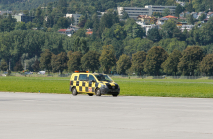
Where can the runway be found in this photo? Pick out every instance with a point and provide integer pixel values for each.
(63, 116)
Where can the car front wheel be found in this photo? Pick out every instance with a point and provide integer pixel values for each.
(98, 92)
(74, 92)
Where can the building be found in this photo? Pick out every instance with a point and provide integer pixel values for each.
(181, 23)
(161, 21)
(170, 17)
(23, 18)
(194, 15)
(5, 12)
(147, 19)
(200, 13)
(67, 32)
(181, 3)
(134, 12)
(100, 14)
(75, 16)
(184, 14)
(89, 32)
(146, 27)
(75, 28)
(209, 14)
(187, 27)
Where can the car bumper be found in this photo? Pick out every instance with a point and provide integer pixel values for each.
(110, 91)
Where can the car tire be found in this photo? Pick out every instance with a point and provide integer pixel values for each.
(90, 94)
(74, 92)
(115, 95)
(98, 92)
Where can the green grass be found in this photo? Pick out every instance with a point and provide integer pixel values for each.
(129, 87)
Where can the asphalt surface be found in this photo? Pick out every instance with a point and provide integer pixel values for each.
(63, 116)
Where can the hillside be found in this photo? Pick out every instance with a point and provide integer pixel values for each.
(22, 4)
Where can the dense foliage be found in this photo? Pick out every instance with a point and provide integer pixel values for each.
(116, 45)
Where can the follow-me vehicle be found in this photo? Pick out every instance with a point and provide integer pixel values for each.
(93, 83)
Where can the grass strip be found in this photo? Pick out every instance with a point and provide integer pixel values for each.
(129, 87)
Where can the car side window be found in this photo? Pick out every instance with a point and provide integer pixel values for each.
(83, 77)
(75, 78)
(91, 78)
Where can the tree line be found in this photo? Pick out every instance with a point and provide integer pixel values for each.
(192, 61)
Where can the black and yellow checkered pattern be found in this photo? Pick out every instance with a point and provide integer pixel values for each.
(85, 86)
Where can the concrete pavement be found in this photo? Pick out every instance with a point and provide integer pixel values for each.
(63, 116)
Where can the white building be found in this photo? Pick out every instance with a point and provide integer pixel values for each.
(161, 21)
(184, 14)
(134, 12)
(194, 14)
(181, 3)
(146, 27)
(75, 16)
(187, 27)
(200, 13)
(209, 14)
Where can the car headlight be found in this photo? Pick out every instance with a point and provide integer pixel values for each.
(104, 86)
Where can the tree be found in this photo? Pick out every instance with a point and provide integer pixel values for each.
(63, 22)
(206, 65)
(192, 56)
(38, 17)
(124, 15)
(138, 62)
(133, 30)
(35, 66)
(4, 65)
(202, 17)
(74, 62)
(107, 58)
(154, 35)
(46, 60)
(7, 24)
(170, 30)
(155, 57)
(59, 62)
(20, 26)
(82, 21)
(190, 19)
(123, 64)
(18, 66)
(171, 63)
(80, 44)
(90, 61)
(178, 10)
(166, 12)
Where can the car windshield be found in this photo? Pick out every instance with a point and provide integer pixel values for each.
(102, 77)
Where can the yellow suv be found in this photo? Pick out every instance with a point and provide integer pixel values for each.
(93, 83)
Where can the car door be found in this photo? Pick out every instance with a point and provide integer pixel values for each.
(83, 82)
(92, 82)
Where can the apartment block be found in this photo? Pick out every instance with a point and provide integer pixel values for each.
(23, 18)
(134, 12)
(75, 16)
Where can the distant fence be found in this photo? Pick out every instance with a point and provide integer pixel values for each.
(113, 76)
(163, 77)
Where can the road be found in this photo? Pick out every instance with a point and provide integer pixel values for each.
(63, 116)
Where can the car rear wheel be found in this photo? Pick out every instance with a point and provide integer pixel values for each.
(98, 92)
(90, 94)
(74, 92)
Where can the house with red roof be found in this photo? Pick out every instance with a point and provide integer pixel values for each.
(67, 32)
(170, 17)
(89, 32)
